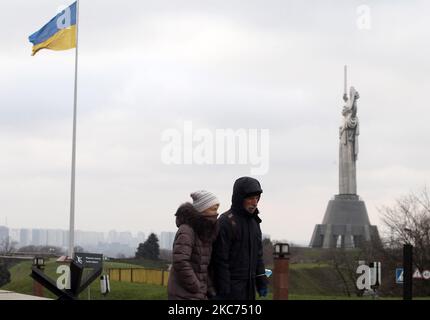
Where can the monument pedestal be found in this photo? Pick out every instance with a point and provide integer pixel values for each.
(346, 224)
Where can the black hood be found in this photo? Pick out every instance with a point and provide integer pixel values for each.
(243, 188)
(203, 227)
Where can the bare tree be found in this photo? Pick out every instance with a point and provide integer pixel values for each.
(344, 263)
(7, 246)
(408, 221)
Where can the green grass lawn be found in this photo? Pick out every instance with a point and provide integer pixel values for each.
(21, 282)
(120, 265)
(300, 266)
(148, 264)
(303, 286)
(126, 291)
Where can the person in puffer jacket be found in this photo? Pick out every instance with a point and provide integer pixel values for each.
(237, 258)
(192, 248)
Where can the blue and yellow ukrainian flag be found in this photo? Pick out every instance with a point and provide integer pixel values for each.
(57, 34)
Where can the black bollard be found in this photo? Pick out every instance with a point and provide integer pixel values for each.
(407, 271)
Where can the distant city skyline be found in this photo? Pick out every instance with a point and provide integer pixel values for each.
(135, 231)
(110, 242)
(59, 237)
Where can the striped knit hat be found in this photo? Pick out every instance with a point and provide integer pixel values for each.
(203, 200)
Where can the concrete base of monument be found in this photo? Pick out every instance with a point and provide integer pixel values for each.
(346, 224)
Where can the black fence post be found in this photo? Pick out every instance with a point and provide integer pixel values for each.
(407, 271)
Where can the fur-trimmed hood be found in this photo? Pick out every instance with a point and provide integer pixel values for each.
(203, 227)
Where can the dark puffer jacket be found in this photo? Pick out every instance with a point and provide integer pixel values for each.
(237, 259)
(192, 248)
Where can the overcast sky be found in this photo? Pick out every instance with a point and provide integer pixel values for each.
(149, 66)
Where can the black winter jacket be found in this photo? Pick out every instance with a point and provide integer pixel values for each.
(237, 257)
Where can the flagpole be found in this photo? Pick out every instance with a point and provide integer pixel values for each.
(72, 188)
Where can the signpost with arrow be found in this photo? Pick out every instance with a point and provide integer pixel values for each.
(71, 282)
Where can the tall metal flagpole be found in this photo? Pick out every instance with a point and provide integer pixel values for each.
(72, 189)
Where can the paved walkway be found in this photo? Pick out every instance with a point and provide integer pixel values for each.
(9, 295)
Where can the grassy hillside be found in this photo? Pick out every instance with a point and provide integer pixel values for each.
(314, 279)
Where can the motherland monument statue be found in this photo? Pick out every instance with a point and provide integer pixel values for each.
(346, 223)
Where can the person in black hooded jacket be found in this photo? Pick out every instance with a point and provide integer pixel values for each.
(237, 257)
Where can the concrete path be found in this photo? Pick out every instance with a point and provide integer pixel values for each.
(9, 295)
